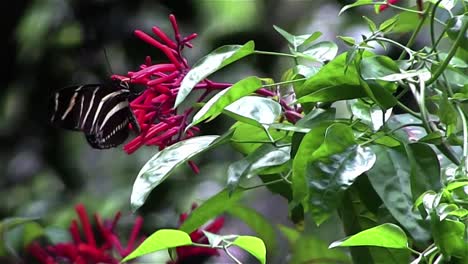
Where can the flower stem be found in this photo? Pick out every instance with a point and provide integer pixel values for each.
(274, 53)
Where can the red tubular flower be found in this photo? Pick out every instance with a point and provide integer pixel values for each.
(190, 252)
(88, 250)
(383, 7)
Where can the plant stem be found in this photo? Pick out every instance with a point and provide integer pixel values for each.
(274, 53)
(408, 110)
(404, 48)
(285, 82)
(415, 33)
(450, 54)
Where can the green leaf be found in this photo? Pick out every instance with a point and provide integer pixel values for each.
(388, 24)
(209, 64)
(370, 24)
(210, 209)
(355, 4)
(301, 245)
(333, 167)
(309, 143)
(449, 236)
(348, 40)
(390, 178)
(253, 245)
(245, 135)
(254, 110)
(425, 168)
(332, 83)
(23, 238)
(217, 103)
(378, 66)
(386, 235)
(371, 69)
(263, 157)
(297, 41)
(322, 51)
(357, 215)
(257, 223)
(161, 165)
(161, 239)
(447, 114)
(454, 26)
(370, 115)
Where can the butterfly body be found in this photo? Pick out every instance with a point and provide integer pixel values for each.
(100, 111)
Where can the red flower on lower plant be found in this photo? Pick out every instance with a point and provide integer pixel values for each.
(87, 249)
(187, 253)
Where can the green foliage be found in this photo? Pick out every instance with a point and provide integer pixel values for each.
(334, 137)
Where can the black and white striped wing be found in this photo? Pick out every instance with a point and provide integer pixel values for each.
(102, 112)
(110, 128)
(70, 104)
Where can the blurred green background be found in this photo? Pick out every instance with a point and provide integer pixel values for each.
(52, 44)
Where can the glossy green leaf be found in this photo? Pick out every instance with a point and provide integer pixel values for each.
(405, 21)
(425, 168)
(297, 41)
(370, 24)
(161, 165)
(263, 157)
(209, 64)
(301, 245)
(390, 178)
(309, 143)
(322, 51)
(254, 110)
(10, 223)
(449, 236)
(333, 167)
(386, 235)
(370, 115)
(389, 24)
(245, 136)
(454, 26)
(258, 223)
(253, 245)
(375, 67)
(456, 185)
(348, 40)
(211, 208)
(371, 70)
(447, 114)
(332, 83)
(217, 103)
(161, 239)
(355, 4)
(357, 215)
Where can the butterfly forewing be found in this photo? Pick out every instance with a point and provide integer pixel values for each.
(102, 112)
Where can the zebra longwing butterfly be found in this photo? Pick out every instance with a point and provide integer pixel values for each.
(101, 111)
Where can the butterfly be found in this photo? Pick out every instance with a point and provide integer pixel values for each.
(101, 111)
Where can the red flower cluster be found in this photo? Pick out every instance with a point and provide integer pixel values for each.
(160, 124)
(88, 250)
(187, 252)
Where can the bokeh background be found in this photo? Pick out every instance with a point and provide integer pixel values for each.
(50, 44)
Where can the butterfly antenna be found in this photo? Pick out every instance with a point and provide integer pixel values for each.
(107, 62)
